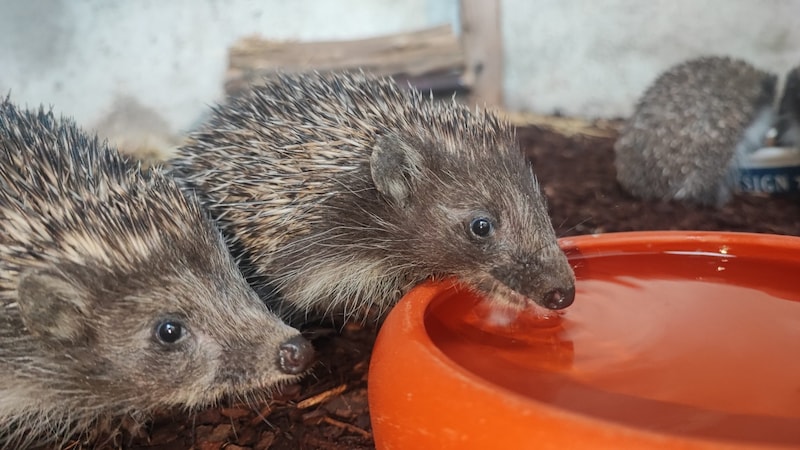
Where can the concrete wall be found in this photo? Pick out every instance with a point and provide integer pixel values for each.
(86, 56)
(595, 58)
(167, 58)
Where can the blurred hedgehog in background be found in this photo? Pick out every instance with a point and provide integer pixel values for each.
(138, 132)
(691, 127)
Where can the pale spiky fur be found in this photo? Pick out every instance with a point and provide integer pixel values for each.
(134, 250)
(287, 171)
(690, 128)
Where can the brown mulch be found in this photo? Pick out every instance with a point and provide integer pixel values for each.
(328, 410)
(577, 174)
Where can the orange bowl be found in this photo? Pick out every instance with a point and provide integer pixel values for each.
(684, 340)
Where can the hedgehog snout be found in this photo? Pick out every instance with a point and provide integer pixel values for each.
(295, 355)
(554, 285)
(558, 298)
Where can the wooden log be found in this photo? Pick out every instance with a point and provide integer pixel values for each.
(434, 54)
(482, 41)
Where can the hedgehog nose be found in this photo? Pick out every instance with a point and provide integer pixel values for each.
(295, 355)
(559, 298)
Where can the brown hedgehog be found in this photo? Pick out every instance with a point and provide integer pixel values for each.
(339, 192)
(690, 127)
(119, 296)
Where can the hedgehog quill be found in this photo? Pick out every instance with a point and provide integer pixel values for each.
(119, 295)
(339, 192)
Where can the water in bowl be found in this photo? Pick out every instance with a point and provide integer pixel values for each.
(702, 345)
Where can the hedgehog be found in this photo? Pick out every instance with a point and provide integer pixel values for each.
(788, 123)
(691, 128)
(136, 131)
(119, 295)
(338, 192)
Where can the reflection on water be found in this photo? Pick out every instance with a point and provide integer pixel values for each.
(695, 345)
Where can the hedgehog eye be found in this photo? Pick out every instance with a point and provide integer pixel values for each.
(481, 227)
(170, 331)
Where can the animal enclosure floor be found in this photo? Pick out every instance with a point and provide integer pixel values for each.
(328, 410)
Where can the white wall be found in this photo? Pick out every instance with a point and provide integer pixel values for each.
(594, 58)
(80, 56)
(576, 56)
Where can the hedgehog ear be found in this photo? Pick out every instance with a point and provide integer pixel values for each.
(395, 167)
(52, 307)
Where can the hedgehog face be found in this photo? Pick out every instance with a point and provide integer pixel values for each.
(181, 331)
(488, 220)
(209, 338)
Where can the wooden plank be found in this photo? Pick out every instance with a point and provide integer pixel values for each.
(433, 51)
(482, 41)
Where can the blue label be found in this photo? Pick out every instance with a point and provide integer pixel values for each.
(771, 180)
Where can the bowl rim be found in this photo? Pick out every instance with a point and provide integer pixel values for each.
(419, 299)
(744, 241)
